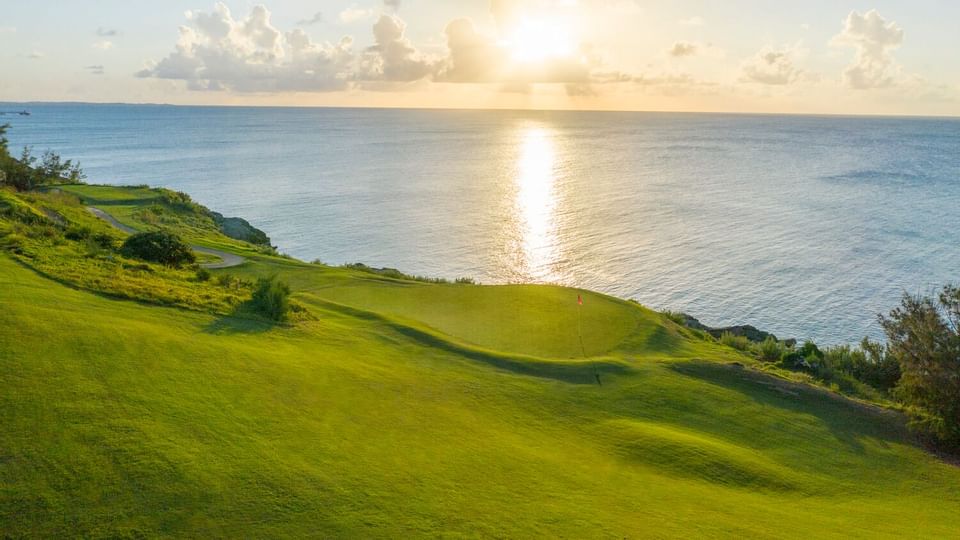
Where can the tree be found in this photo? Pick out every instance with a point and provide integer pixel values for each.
(52, 167)
(923, 335)
(3, 139)
(27, 172)
(158, 246)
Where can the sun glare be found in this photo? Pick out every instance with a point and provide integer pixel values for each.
(539, 40)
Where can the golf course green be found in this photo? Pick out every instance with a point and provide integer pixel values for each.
(144, 401)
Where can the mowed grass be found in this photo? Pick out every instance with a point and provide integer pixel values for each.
(535, 320)
(124, 419)
(540, 321)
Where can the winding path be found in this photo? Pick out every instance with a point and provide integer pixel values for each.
(227, 260)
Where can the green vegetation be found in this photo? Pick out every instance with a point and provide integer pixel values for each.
(390, 407)
(924, 338)
(770, 350)
(158, 246)
(52, 233)
(145, 209)
(28, 172)
(918, 370)
(271, 298)
(740, 343)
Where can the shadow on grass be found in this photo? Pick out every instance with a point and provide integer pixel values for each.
(846, 419)
(659, 340)
(241, 321)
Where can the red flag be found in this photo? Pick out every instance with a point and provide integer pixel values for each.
(579, 300)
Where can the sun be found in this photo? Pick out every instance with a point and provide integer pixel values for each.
(538, 40)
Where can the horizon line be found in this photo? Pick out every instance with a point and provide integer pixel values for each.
(497, 109)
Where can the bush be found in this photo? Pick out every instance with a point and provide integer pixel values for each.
(741, 343)
(676, 316)
(271, 298)
(77, 232)
(810, 351)
(104, 240)
(158, 246)
(203, 275)
(770, 350)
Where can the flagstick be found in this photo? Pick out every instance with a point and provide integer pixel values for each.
(583, 350)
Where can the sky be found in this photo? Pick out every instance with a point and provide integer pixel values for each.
(815, 56)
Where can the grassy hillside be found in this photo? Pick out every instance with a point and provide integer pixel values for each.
(399, 408)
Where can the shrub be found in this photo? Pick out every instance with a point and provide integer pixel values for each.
(741, 343)
(103, 240)
(179, 200)
(158, 246)
(770, 350)
(271, 298)
(810, 351)
(923, 335)
(77, 232)
(203, 275)
(676, 317)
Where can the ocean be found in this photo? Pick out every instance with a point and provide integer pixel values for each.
(804, 226)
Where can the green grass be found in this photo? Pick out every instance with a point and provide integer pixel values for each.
(404, 409)
(143, 208)
(36, 228)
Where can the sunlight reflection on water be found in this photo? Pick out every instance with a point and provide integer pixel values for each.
(536, 204)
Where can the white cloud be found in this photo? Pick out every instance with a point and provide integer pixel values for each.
(95, 70)
(217, 52)
(393, 57)
(103, 45)
(34, 55)
(353, 14)
(874, 39)
(7, 30)
(392, 4)
(316, 19)
(693, 21)
(473, 57)
(107, 32)
(681, 49)
(774, 67)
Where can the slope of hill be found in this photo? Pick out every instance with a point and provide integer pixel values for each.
(399, 408)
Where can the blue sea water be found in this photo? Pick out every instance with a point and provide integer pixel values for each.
(804, 226)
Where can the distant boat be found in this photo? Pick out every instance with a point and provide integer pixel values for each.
(21, 113)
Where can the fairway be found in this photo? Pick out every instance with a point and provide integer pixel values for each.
(126, 419)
